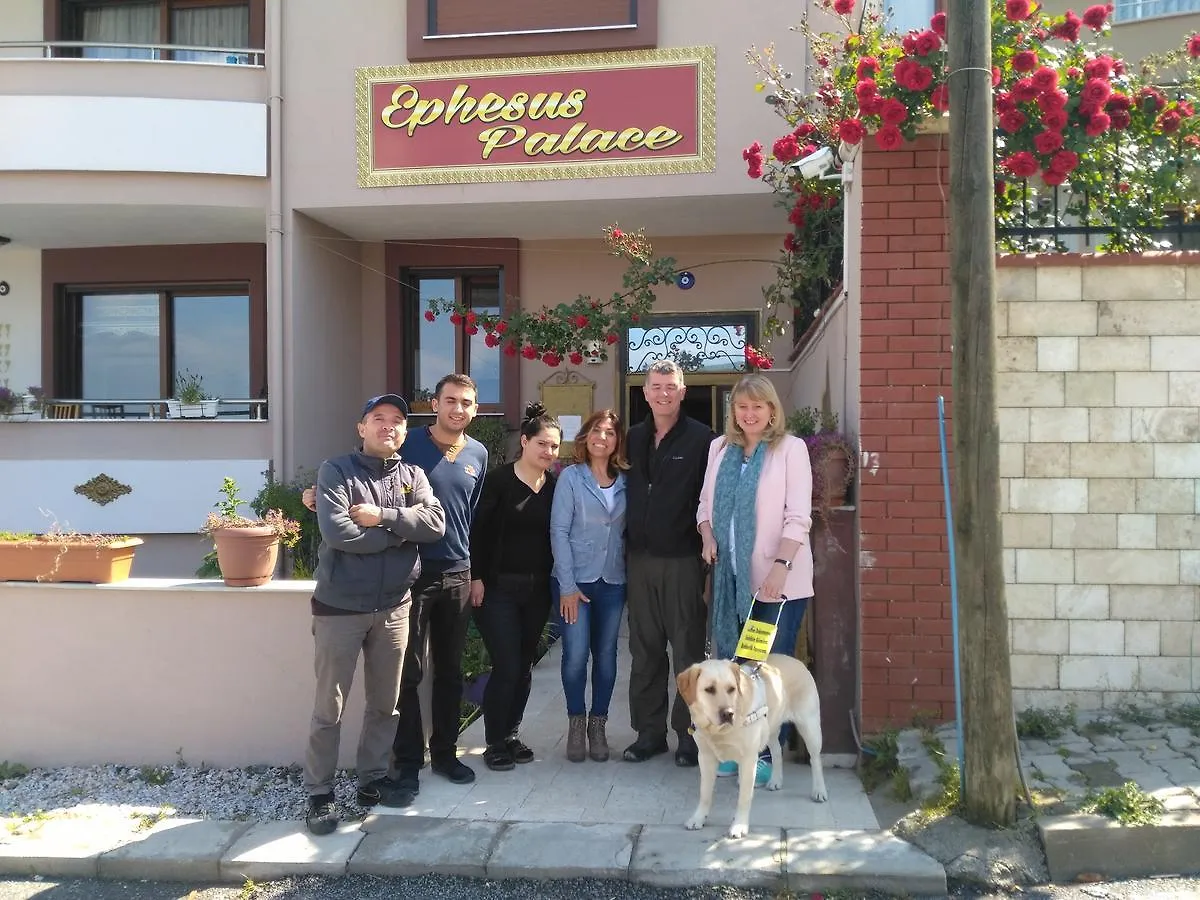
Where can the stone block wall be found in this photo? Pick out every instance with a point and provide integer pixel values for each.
(1099, 411)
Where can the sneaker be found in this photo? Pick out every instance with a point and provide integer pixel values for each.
(498, 759)
(762, 772)
(644, 748)
(385, 792)
(727, 768)
(322, 814)
(518, 751)
(455, 770)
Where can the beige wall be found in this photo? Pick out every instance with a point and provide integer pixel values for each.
(218, 675)
(132, 78)
(1098, 390)
(22, 20)
(1137, 39)
(323, 344)
(134, 439)
(20, 320)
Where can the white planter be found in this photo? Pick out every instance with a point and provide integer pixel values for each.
(205, 409)
(173, 409)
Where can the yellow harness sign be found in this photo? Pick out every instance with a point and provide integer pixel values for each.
(755, 642)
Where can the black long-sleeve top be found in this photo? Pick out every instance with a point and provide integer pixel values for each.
(511, 531)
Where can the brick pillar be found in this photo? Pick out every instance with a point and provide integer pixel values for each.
(904, 564)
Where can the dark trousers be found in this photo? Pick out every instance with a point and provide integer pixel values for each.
(666, 607)
(510, 621)
(440, 609)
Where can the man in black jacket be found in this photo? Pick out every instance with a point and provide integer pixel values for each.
(373, 509)
(667, 454)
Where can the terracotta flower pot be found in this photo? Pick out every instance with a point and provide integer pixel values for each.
(834, 469)
(247, 556)
(55, 562)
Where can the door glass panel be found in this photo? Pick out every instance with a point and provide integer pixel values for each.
(120, 23)
(484, 361)
(212, 340)
(435, 340)
(120, 337)
(223, 27)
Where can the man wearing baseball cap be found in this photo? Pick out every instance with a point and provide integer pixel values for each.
(373, 510)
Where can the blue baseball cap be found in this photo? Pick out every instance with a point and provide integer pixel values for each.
(394, 399)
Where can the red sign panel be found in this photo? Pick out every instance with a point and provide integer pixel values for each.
(499, 120)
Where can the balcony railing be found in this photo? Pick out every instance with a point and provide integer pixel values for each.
(219, 56)
(75, 409)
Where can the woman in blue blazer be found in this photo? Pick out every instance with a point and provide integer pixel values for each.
(587, 535)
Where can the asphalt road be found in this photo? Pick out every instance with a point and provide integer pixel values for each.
(437, 888)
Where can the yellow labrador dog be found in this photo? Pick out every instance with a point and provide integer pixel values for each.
(736, 712)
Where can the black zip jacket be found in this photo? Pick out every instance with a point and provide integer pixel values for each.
(663, 487)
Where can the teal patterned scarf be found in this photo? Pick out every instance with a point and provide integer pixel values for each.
(734, 501)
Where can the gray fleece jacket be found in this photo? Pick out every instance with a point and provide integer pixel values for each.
(369, 569)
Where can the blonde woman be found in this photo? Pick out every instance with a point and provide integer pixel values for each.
(755, 515)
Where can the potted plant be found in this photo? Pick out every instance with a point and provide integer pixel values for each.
(34, 400)
(830, 452)
(191, 400)
(64, 556)
(247, 549)
(9, 403)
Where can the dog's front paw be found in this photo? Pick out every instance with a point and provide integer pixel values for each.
(738, 830)
(695, 823)
(819, 795)
(775, 783)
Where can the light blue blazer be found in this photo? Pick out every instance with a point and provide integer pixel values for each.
(588, 541)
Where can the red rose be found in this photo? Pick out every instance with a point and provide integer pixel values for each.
(940, 98)
(510, 349)
(1012, 120)
(866, 89)
(1097, 90)
(576, 358)
(501, 327)
(1052, 100)
(894, 112)
(889, 137)
(843, 7)
(1068, 29)
(850, 131)
(1048, 142)
(529, 351)
(1005, 101)
(1094, 17)
(922, 78)
(551, 358)
(1185, 108)
(1100, 67)
(429, 316)
(1054, 120)
(1052, 178)
(1024, 61)
(492, 339)
(1074, 72)
(1022, 165)
(471, 318)
(755, 171)
(803, 130)
(928, 42)
(1064, 161)
(455, 318)
(580, 321)
(1024, 90)
(786, 148)
(870, 107)
(1017, 10)
(909, 43)
(902, 72)
(867, 66)
(610, 338)
(751, 152)
(617, 233)
(1151, 100)
(796, 216)
(996, 78)
(1097, 124)
(472, 329)
(1193, 46)
(938, 24)
(1121, 119)
(1045, 79)
(1169, 122)
(789, 243)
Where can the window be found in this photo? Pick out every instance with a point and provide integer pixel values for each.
(441, 347)
(134, 345)
(1129, 10)
(221, 24)
(705, 344)
(447, 29)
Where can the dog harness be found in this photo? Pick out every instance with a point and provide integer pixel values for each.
(759, 708)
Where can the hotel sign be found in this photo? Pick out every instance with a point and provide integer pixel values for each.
(642, 112)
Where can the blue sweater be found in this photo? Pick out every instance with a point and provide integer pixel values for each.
(457, 485)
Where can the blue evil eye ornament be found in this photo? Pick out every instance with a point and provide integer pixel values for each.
(686, 281)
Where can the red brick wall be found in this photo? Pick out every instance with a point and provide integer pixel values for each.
(904, 565)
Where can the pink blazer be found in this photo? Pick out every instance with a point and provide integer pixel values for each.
(783, 507)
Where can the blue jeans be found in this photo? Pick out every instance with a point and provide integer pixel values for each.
(593, 632)
(786, 635)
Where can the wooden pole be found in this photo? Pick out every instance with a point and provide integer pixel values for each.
(989, 735)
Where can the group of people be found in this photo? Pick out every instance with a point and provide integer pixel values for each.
(416, 542)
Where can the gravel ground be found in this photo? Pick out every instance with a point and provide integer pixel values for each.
(439, 888)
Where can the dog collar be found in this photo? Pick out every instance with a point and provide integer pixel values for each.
(759, 710)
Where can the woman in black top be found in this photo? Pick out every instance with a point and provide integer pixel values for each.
(510, 590)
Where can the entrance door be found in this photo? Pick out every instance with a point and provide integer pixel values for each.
(704, 402)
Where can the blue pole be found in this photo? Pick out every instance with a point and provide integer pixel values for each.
(958, 713)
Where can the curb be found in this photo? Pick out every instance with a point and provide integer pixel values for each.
(1080, 844)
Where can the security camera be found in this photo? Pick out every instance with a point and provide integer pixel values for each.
(816, 164)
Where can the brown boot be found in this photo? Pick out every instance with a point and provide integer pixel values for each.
(576, 729)
(597, 740)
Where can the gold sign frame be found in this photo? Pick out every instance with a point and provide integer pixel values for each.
(703, 160)
(567, 393)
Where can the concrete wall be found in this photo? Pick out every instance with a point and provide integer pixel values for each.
(217, 675)
(1098, 392)
(23, 20)
(20, 319)
(1138, 38)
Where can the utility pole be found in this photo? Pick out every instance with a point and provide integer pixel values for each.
(989, 734)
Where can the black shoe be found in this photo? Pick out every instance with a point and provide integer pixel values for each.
(687, 755)
(498, 759)
(322, 815)
(385, 792)
(644, 748)
(518, 751)
(454, 769)
(409, 780)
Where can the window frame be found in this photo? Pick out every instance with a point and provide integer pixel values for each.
(640, 34)
(61, 23)
(1119, 19)
(413, 310)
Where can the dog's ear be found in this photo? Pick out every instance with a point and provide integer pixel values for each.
(686, 682)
